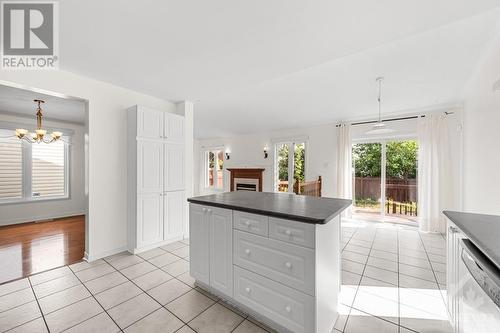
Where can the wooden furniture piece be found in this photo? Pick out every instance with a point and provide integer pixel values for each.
(311, 188)
(246, 173)
(156, 191)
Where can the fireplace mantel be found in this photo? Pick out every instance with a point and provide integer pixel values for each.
(249, 173)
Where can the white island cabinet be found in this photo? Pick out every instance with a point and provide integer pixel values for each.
(283, 272)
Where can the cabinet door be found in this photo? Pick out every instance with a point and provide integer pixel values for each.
(453, 237)
(221, 249)
(199, 255)
(149, 219)
(174, 167)
(173, 128)
(149, 123)
(173, 212)
(149, 166)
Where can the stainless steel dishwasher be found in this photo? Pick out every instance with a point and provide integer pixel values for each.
(479, 291)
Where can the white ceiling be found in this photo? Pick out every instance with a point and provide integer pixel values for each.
(20, 102)
(259, 65)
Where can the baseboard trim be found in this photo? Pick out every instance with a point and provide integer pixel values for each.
(40, 218)
(94, 257)
(150, 247)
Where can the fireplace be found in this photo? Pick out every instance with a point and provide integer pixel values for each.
(246, 179)
(246, 184)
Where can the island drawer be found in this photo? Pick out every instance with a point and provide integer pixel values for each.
(292, 232)
(289, 264)
(286, 306)
(254, 223)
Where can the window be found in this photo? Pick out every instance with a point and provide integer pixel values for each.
(289, 165)
(47, 165)
(11, 168)
(32, 171)
(214, 168)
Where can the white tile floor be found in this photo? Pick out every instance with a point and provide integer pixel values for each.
(393, 281)
(151, 292)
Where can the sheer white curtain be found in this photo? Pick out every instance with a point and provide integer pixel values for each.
(344, 164)
(434, 172)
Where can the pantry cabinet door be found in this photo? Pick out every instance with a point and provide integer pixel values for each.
(149, 166)
(174, 167)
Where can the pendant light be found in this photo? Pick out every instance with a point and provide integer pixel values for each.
(379, 127)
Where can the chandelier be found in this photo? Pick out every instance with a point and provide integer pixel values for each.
(39, 135)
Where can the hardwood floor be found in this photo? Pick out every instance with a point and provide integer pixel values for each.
(30, 248)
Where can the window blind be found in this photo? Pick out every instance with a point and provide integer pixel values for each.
(11, 167)
(47, 169)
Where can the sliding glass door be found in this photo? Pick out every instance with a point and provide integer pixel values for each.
(401, 180)
(367, 160)
(385, 180)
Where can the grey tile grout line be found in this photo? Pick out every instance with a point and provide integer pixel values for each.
(361, 278)
(92, 295)
(434, 273)
(29, 321)
(380, 318)
(164, 306)
(39, 307)
(161, 305)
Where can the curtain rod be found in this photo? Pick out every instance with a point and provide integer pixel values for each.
(390, 119)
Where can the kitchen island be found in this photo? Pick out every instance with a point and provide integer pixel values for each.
(275, 256)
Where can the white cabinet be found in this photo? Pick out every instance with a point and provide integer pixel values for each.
(173, 129)
(221, 250)
(174, 167)
(211, 247)
(290, 279)
(199, 251)
(155, 178)
(173, 217)
(149, 123)
(149, 219)
(149, 167)
(453, 237)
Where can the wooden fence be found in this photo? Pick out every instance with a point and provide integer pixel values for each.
(399, 190)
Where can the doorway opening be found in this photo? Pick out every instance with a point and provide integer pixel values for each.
(43, 184)
(385, 181)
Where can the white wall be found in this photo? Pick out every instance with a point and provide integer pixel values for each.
(75, 205)
(482, 137)
(247, 152)
(107, 179)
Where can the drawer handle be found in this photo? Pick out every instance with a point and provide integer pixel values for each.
(288, 308)
(247, 251)
(209, 210)
(288, 232)
(247, 223)
(204, 210)
(288, 264)
(248, 290)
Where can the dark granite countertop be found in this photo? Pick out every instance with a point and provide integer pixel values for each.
(482, 230)
(282, 205)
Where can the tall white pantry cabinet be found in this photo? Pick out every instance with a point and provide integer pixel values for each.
(156, 182)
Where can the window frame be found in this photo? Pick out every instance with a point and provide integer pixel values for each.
(206, 162)
(27, 164)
